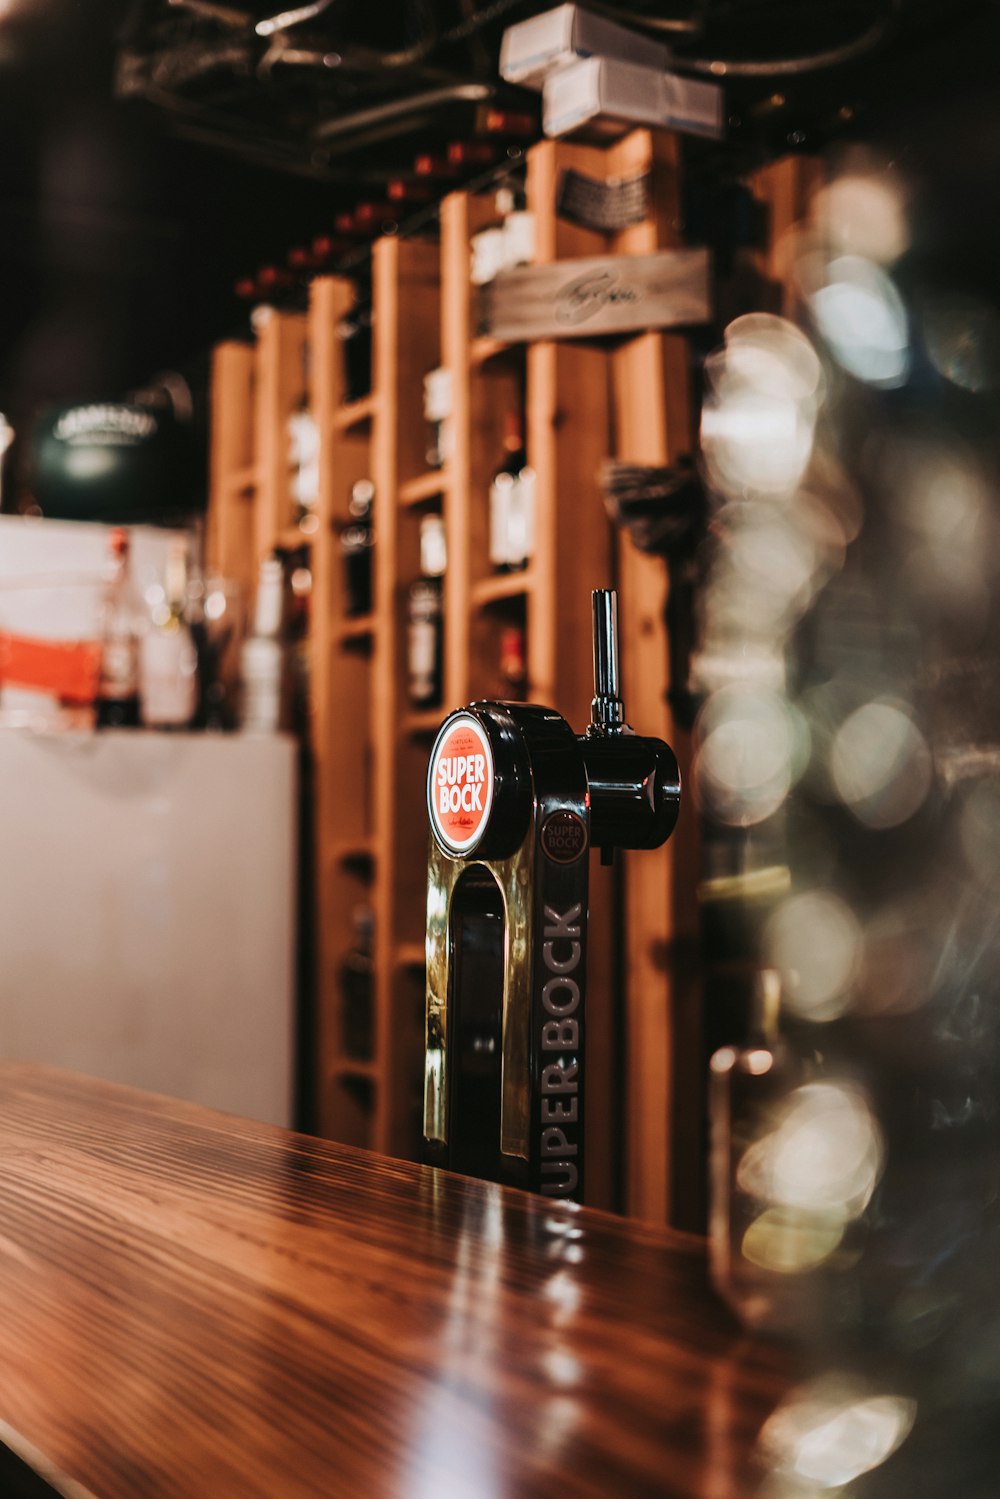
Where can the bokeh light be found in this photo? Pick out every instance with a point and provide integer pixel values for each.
(815, 942)
(880, 765)
(861, 318)
(791, 1243)
(759, 414)
(962, 338)
(831, 1431)
(744, 764)
(863, 212)
(824, 1157)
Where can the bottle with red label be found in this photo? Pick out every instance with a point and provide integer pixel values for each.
(425, 624)
(121, 628)
(506, 123)
(513, 663)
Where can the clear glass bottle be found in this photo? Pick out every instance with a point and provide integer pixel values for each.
(262, 659)
(437, 415)
(121, 632)
(425, 632)
(509, 241)
(512, 502)
(168, 659)
(518, 226)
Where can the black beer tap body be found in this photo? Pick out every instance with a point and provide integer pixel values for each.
(635, 790)
(516, 800)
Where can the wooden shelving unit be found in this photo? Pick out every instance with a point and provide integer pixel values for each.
(583, 403)
(366, 754)
(563, 393)
(255, 388)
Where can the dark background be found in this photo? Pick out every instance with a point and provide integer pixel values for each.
(119, 244)
(120, 241)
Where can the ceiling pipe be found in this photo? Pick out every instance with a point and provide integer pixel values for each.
(294, 17)
(225, 15)
(459, 93)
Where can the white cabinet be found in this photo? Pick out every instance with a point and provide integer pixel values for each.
(147, 912)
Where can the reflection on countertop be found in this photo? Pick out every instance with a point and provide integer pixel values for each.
(194, 1304)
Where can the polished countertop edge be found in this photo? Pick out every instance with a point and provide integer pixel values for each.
(380, 1321)
(36, 1476)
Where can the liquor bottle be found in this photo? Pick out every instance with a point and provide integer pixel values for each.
(196, 621)
(273, 287)
(326, 250)
(282, 289)
(297, 637)
(262, 659)
(168, 659)
(307, 261)
(437, 415)
(274, 281)
(222, 613)
(512, 502)
(505, 122)
(376, 218)
(748, 1087)
(518, 224)
(402, 191)
(425, 634)
(120, 629)
(357, 986)
(473, 153)
(435, 168)
(513, 663)
(509, 240)
(355, 333)
(356, 542)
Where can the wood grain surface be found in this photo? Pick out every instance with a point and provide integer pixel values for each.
(193, 1305)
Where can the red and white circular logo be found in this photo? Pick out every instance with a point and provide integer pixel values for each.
(460, 784)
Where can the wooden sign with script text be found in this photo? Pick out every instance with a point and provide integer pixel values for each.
(605, 294)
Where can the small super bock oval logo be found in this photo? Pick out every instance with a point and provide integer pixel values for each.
(564, 837)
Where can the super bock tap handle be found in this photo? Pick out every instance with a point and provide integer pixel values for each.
(634, 782)
(607, 711)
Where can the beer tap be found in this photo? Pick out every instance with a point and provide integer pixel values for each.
(516, 800)
(634, 782)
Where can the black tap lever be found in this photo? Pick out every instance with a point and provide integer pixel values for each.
(635, 784)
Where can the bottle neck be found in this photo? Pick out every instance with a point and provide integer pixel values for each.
(176, 585)
(267, 615)
(513, 439)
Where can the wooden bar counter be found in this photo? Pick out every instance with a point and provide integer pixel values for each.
(199, 1307)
